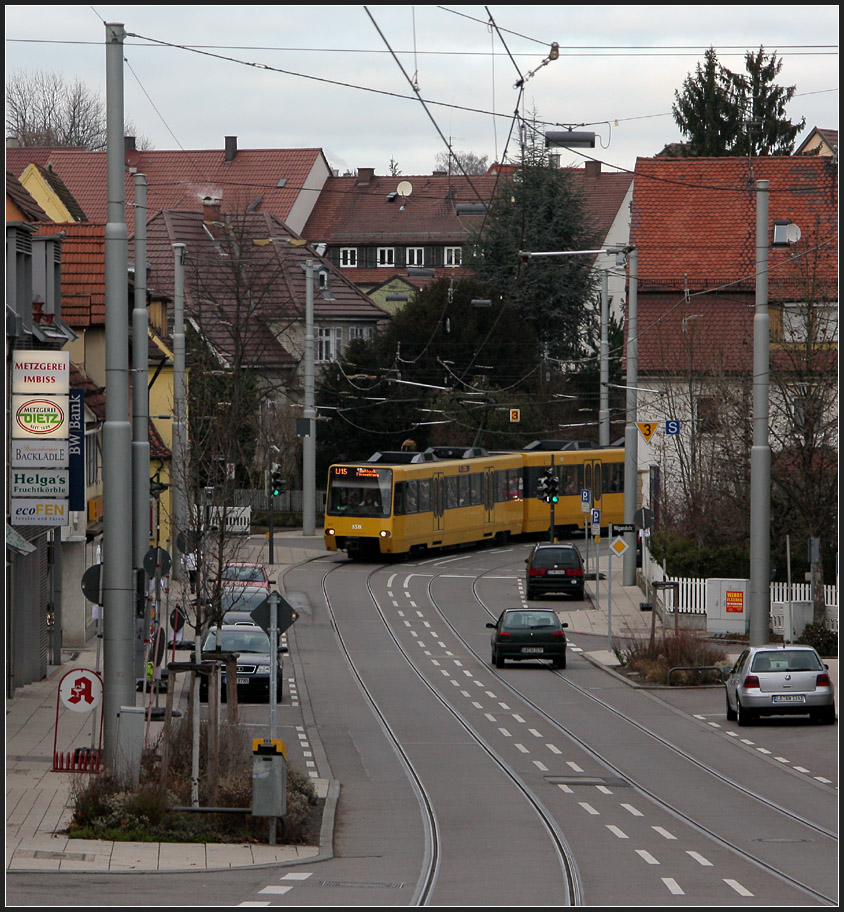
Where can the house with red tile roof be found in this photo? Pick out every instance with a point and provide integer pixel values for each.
(379, 230)
(694, 227)
(284, 183)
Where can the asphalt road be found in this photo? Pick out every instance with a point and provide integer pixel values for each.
(466, 785)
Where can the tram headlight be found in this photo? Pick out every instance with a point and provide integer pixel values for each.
(384, 533)
(330, 532)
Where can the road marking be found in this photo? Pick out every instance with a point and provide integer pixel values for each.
(647, 857)
(617, 831)
(276, 890)
(763, 750)
(781, 759)
(587, 807)
(603, 789)
(673, 886)
(504, 732)
(297, 875)
(540, 766)
(564, 788)
(553, 748)
(522, 748)
(535, 733)
(491, 717)
(574, 766)
(476, 704)
(821, 779)
(742, 891)
(518, 718)
(663, 832)
(634, 811)
(801, 769)
(504, 705)
(699, 858)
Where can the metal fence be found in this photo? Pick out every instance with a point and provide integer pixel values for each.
(259, 501)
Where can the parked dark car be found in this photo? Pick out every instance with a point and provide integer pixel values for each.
(528, 633)
(554, 568)
(253, 663)
(779, 680)
(238, 603)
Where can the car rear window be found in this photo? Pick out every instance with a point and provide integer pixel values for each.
(529, 620)
(786, 660)
(556, 557)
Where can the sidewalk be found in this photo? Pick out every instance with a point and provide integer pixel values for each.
(37, 799)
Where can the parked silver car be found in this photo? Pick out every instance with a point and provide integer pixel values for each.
(779, 680)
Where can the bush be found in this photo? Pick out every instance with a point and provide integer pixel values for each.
(822, 638)
(105, 808)
(685, 649)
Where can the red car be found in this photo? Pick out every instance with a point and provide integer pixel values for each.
(241, 573)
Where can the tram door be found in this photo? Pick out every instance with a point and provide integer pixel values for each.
(593, 480)
(438, 500)
(489, 495)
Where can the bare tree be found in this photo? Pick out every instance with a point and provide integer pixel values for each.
(45, 109)
(461, 162)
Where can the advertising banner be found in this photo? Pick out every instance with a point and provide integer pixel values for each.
(41, 372)
(40, 417)
(42, 454)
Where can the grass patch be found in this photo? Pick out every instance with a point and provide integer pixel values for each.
(651, 660)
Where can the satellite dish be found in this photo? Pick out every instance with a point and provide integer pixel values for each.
(405, 188)
(793, 233)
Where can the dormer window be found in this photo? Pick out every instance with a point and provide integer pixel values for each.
(415, 256)
(348, 256)
(386, 256)
(453, 256)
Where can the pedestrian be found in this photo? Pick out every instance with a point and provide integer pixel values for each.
(189, 563)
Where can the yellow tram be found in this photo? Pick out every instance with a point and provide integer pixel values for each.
(401, 503)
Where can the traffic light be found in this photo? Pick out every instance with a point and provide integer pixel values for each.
(277, 484)
(552, 486)
(542, 488)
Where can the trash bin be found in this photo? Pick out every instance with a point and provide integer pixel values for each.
(269, 779)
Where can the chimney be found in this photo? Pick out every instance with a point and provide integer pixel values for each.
(210, 209)
(593, 169)
(231, 148)
(365, 175)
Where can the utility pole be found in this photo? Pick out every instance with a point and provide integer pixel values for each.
(309, 439)
(118, 591)
(760, 453)
(631, 440)
(140, 421)
(179, 459)
(604, 409)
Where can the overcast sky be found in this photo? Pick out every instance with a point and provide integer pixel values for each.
(340, 77)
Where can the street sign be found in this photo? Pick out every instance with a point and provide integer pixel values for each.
(585, 500)
(286, 614)
(672, 426)
(515, 416)
(92, 584)
(621, 528)
(153, 558)
(618, 546)
(596, 522)
(643, 518)
(647, 428)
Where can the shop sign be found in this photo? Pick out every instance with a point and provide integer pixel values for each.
(41, 372)
(38, 512)
(39, 482)
(40, 417)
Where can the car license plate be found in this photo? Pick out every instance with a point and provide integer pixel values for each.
(556, 573)
(789, 698)
(243, 680)
(532, 649)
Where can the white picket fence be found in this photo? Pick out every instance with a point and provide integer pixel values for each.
(690, 597)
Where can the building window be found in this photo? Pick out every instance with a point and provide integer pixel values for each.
(360, 332)
(415, 256)
(801, 323)
(453, 256)
(348, 256)
(707, 415)
(328, 343)
(386, 256)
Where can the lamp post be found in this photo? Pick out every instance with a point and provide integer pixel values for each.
(309, 439)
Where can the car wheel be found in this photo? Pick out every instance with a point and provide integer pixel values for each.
(530, 594)
(497, 660)
(560, 662)
(731, 713)
(825, 716)
(744, 717)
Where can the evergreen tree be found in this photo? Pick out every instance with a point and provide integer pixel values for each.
(705, 112)
(768, 131)
(724, 113)
(540, 209)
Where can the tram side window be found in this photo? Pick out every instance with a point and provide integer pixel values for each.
(475, 492)
(451, 494)
(571, 479)
(500, 485)
(514, 484)
(613, 477)
(463, 490)
(411, 496)
(424, 495)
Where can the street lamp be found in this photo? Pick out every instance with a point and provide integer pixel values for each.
(569, 139)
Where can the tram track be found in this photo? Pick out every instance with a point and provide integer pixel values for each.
(431, 864)
(639, 786)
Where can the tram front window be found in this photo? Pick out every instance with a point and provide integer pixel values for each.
(358, 491)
